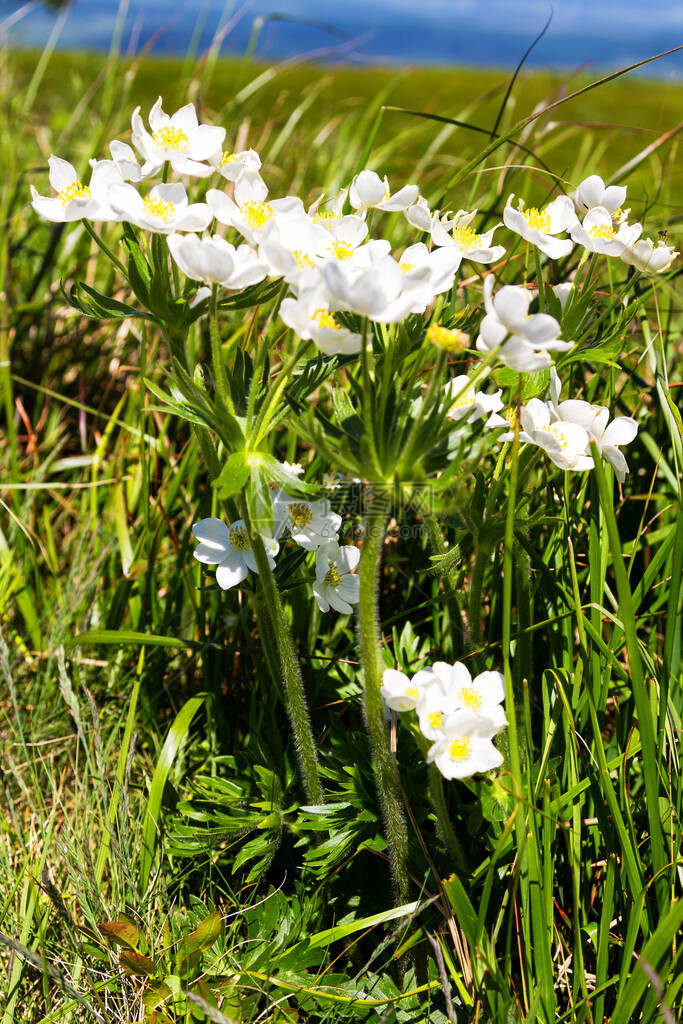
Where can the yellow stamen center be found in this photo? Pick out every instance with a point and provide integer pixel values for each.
(460, 749)
(239, 539)
(538, 220)
(405, 267)
(75, 190)
(601, 231)
(411, 691)
(470, 697)
(227, 158)
(467, 238)
(300, 515)
(510, 415)
(171, 138)
(342, 250)
(302, 259)
(325, 319)
(451, 340)
(325, 217)
(332, 577)
(257, 214)
(464, 401)
(557, 433)
(435, 719)
(387, 195)
(163, 209)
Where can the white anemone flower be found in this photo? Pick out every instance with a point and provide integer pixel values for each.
(594, 419)
(459, 234)
(445, 688)
(419, 215)
(470, 404)
(541, 226)
(562, 291)
(442, 265)
(525, 341)
(649, 258)
(164, 210)
(593, 192)
(464, 746)
(379, 291)
(309, 316)
(230, 549)
(124, 157)
(74, 200)
(400, 693)
(368, 190)
(309, 523)
(597, 234)
(178, 139)
(215, 261)
(335, 585)
(565, 442)
(231, 165)
(250, 211)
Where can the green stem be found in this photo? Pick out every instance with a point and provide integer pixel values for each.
(368, 635)
(436, 789)
(289, 664)
(448, 578)
(217, 352)
(105, 248)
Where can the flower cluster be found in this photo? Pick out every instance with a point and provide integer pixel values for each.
(324, 253)
(459, 715)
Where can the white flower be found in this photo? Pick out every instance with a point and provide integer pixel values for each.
(231, 165)
(594, 419)
(310, 523)
(458, 233)
(230, 548)
(597, 233)
(309, 317)
(593, 192)
(249, 212)
(164, 210)
(379, 291)
(213, 260)
(441, 265)
(369, 190)
(74, 200)
(565, 442)
(562, 292)
(540, 226)
(180, 139)
(419, 215)
(649, 258)
(400, 693)
(525, 340)
(334, 583)
(124, 157)
(469, 404)
(465, 746)
(444, 688)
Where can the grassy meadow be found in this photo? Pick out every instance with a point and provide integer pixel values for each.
(160, 859)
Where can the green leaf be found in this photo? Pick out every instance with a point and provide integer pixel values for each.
(175, 738)
(97, 306)
(136, 964)
(129, 636)
(206, 932)
(233, 476)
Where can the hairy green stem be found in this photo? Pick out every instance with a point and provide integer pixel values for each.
(368, 635)
(297, 707)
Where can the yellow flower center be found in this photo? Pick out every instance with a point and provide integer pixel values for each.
(470, 697)
(435, 719)
(451, 340)
(538, 220)
(302, 259)
(332, 577)
(411, 691)
(557, 433)
(300, 515)
(464, 401)
(239, 539)
(325, 217)
(617, 214)
(75, 190)
(325, 319)
(257, 214)
(170, 138)
(466, 238)
(342, 250)
(405, 267)
(163, 209)
(510, 415)
(227, 158)
(460, 749)
(601, 231)
(387, 195)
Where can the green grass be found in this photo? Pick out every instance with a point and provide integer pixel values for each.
(149, 771)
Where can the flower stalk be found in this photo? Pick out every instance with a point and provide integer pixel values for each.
(369, 640)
